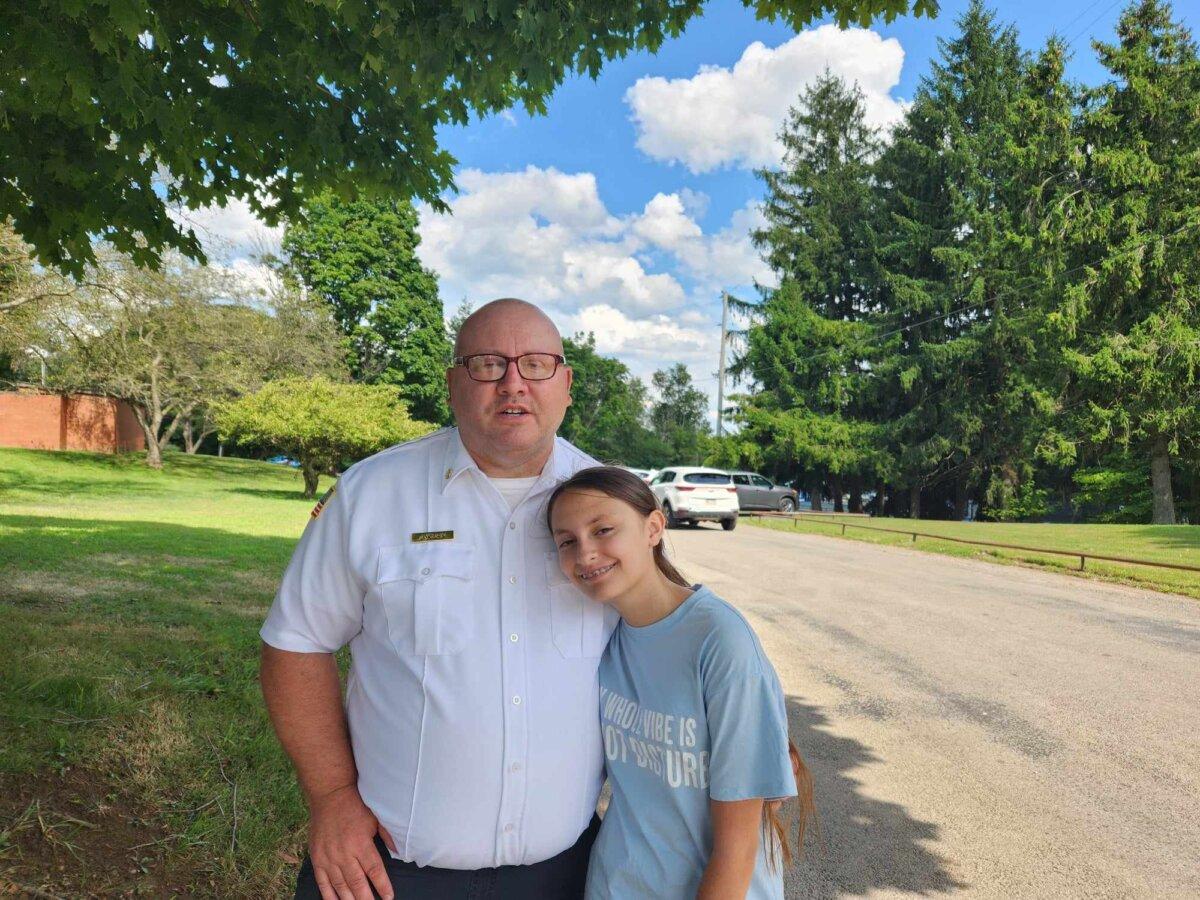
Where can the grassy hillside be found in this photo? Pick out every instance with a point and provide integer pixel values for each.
(129, 710)
(1178, 544)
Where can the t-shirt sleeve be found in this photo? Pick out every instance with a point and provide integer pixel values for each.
(747, 720)
(319, 605)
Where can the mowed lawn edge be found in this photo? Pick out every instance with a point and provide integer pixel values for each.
(130, 712)
(1178, 544)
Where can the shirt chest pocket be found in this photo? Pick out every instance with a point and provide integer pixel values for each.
(427, 593)
(577, 624)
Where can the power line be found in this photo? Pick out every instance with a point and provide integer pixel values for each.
(1079, 15)
(1088, 27)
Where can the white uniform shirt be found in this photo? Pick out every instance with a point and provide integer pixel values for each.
(472, 696)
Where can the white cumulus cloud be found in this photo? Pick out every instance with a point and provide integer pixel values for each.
(231, 230)
(544, 235)
(653, 342)
(731, 116)
(723, 259)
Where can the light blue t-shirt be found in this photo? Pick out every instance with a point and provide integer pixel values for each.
(691, 709)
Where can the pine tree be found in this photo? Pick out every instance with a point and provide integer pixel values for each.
(1132, 316)
(965, 185)
(804, 350)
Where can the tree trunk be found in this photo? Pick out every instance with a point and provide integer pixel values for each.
(153, 452)
(960, 498)
(1160, 482)
(880, 498)
(836, 483)
(189, 441)
(814, 493)
(149, 435)
(856, 492)
(311, 477)
(914, 501)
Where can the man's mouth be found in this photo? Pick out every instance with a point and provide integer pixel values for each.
(514, 411)
(593, 574)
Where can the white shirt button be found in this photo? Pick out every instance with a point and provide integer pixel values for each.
(512, 579)
(425, 571)
(513, 638)
(512, 526)
(508, 828)
(516, 701)
(516, 767)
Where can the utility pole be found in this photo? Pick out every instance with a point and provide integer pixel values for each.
(721, 374)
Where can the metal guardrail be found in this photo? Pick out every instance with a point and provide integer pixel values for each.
(1083, 557)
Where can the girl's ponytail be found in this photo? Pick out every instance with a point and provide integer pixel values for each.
(775, 828)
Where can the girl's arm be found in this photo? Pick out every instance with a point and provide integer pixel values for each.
(737, 827)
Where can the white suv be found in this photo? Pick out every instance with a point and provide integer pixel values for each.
(690, 494)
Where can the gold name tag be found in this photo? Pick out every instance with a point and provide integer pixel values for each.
(421, 537)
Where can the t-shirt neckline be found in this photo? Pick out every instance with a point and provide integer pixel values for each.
(667, 622)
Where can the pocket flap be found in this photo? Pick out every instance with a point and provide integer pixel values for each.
(422, 561)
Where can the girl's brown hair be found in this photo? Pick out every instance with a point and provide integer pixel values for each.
(775, 828)
(621, 484)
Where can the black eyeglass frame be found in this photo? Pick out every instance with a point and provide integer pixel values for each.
(464, 361)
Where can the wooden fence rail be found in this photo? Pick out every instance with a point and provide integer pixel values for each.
(1083, 557)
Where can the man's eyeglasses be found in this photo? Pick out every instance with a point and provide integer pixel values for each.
(493, 367)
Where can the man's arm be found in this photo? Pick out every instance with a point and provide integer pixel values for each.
(737, 825)
(304, 700)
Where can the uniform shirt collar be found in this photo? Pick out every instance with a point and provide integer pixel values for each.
(458, 460)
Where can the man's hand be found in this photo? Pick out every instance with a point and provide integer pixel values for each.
(341, 843)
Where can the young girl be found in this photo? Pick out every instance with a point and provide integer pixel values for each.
(693, 718)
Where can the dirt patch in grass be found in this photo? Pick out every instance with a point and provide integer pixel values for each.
(80, 834)
(51, 589)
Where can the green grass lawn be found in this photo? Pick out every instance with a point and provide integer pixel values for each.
(129, 606)
(1158, 543)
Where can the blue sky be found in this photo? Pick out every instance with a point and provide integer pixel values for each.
(625, 210)
(587, 127)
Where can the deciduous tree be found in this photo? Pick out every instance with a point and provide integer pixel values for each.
(360, 258)
(321, 423)
(608, 411)
(273, 101)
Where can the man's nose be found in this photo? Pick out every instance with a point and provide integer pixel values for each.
(512, 382)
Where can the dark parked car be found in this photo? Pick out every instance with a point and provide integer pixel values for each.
(756, 492)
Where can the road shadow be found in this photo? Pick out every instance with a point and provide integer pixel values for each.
(864, 845)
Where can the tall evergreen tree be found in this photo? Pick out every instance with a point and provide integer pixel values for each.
(360, 257)
(966, 185)
(804, 351)
(1133, 314)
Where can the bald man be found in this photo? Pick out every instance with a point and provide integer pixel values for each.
(466, 761)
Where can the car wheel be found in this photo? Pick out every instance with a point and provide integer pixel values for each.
(787, 505)
(729, 524)
(672, 521)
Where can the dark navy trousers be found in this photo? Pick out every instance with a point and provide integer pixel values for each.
(561, 877)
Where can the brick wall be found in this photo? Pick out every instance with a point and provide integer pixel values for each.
(74, 422)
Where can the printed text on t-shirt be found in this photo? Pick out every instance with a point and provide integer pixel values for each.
(653, 741)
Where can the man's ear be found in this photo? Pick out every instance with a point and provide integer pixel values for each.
(570, 381)
(449, 384)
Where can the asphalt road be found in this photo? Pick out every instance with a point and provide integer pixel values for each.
(975, 729)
